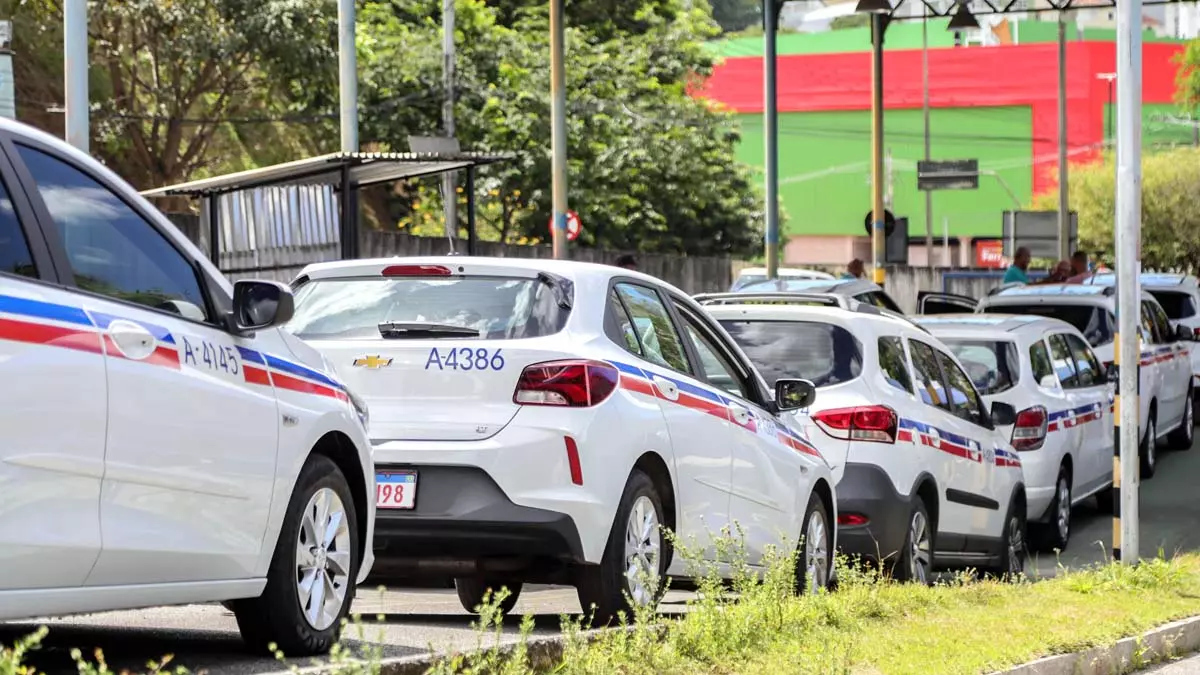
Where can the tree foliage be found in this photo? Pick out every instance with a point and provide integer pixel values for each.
(1170, 211)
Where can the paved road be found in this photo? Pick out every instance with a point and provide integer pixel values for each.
(205, 637)
(1187, 666)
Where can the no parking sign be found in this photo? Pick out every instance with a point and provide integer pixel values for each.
(573, 226)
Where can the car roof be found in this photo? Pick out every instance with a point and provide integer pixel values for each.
(803, 312)
(838, 286)
(763, 306)
(570, 269)
(996, 326)
(1158, 280)
(797, 272)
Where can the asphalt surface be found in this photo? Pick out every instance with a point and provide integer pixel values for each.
(205, 638)
(1187, 666)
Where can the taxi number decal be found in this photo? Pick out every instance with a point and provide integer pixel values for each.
(203, 354)
(464, 358)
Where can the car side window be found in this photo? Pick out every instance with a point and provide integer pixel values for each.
(928, 375)
(714, 366)
(893, 364)
(1163, 323)
(656, 333)
(964, 398)
(15, 257)
(112, 250)
(1149, 326)
(1064, 361)
(1087, 366)
(625, 335)
(1039, 360)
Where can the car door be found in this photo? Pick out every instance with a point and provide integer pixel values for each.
(696, 417)
(930, 302)
(1176, 363)
(1156, 383)
(768, 475)
(55, 404)
(191, 435)
(1094, 457)
(1064, 423)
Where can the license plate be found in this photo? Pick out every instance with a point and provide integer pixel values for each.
(396, 490)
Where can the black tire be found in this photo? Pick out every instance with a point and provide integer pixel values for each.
(1148, 450)
(1013, 551)
(603, 589)
(915, 561)
(277, 616)
(821, 552)
(471, 591)
(1181, 438)
(1105, 500)
(1056, 534)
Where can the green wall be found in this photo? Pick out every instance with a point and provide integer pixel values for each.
(1155, 132)
(824, 167)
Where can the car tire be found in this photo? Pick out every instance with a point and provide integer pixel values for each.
(1181, 438)
(1148, 452)
(814, 563)
(915, 562)
(471, 591)
(281, 615)
(1056, 534)
(603, 589)
(1013, 551)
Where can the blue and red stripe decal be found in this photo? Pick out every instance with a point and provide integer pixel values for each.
(922, 433)
(1073, 417)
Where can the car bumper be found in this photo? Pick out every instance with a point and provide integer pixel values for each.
(866, 490)
(1039, 469)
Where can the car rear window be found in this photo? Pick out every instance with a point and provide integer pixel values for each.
(496, 308)
(1095, 323)
(992, 365)
(1177, 305)
(822, 353)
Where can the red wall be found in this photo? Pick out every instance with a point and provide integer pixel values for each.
(1012, 75)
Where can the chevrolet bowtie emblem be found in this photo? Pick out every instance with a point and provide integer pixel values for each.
(373, 362)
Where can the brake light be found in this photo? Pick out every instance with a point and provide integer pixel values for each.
(574, 384)
(416, 271)
(1196, 332)
(875, 423)
(1029, 431)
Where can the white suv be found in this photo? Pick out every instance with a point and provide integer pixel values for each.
(1166, 409)
(164, 443)
(1064, 429)
(925, 479)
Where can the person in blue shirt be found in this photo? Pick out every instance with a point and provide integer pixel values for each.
(854, 270)
(1016, 273)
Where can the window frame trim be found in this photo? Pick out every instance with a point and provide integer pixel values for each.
(615, 281)
(985, 419)
(28, 222)
(905, 357)
(1074, 368)
(745, 375)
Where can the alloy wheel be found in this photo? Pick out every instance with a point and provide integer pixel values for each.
(323, 559)
(1016, 546)
(919, 553)
(1064, 508)
(643, 544)
(816, 552)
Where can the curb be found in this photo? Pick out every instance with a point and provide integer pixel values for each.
(1124, 656)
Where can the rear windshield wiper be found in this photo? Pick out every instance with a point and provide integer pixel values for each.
(419, 330)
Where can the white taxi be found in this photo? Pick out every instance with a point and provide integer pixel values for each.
(164, 443)
(542, 421)
(1064, 427)
(925, 479)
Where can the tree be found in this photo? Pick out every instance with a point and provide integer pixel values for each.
(1170, 212)
(736, 15)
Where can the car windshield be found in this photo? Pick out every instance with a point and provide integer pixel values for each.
(493, 308)
(819, 352)
(1177, 305)
(1095, 323)
(992, 365)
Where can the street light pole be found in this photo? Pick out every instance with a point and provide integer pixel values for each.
(1064, 208)
(558, 130)
(75, 67)
(771, 133)
(347, 76)
(878, 23)
(925, 86)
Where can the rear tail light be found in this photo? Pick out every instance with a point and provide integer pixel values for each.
(416, 271)
(1029, 431)
(874, 423)
(574, 384)
(1196, 332)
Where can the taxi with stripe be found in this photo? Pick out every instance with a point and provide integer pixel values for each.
(540, 421)
(926, 480)
(164, 441)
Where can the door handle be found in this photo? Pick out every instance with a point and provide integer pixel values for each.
(667, 388)
(133, 341)
(740, 415)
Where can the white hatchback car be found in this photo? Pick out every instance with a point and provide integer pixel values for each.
(1064, 428)
(164, 443)
(1166, 407)
(925, 480)
(538, 421)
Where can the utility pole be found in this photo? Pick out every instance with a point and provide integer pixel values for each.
(558, 129)
(878, 24)
(8, 89)
(887, 196)
(449, 184)
(1064, 207)
(347, 76)
(771, 133)
(925, 87)
(75, 68)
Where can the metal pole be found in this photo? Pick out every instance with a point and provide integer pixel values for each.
(771, 135)
(449, 184)
(1128, 240)
(471, 235)
(347, 76)
(75, 68)
(1064, 209)
(877, 217)
(8, 88)
(558, 129)
(925, 86)
(214, 229)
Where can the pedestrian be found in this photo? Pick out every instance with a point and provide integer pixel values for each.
(854, 270)
(1080, 268)
(627, 261)
(1016, 272)
(1060, 273)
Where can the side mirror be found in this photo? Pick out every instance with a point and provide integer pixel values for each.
(1003, 414)
(794, 394)
(1183, 334)
(1049, 382)
(258, 304)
